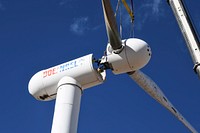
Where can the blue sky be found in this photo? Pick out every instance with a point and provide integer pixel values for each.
(38, 34)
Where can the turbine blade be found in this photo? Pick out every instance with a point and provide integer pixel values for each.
(111, 26)
(148, 85)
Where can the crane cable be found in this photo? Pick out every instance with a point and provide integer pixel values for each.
(130, 12)
(120, 15)
(132, 20)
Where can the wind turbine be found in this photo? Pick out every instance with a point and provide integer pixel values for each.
(65, 82)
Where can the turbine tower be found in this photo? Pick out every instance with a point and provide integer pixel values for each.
(65, 82)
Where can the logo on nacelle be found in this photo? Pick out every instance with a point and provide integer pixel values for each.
(63, 67)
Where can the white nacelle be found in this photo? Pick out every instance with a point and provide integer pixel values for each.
(43, 85)
(135, 55)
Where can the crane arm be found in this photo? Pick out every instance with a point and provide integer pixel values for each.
(188, 31)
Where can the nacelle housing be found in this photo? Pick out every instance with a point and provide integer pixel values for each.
(43, 85)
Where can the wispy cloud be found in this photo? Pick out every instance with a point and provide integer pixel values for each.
(150, 11)
(63, 2)
(156, 6)
(2, 8)
(81, 25)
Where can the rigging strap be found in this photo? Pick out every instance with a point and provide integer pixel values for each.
(130, 11)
